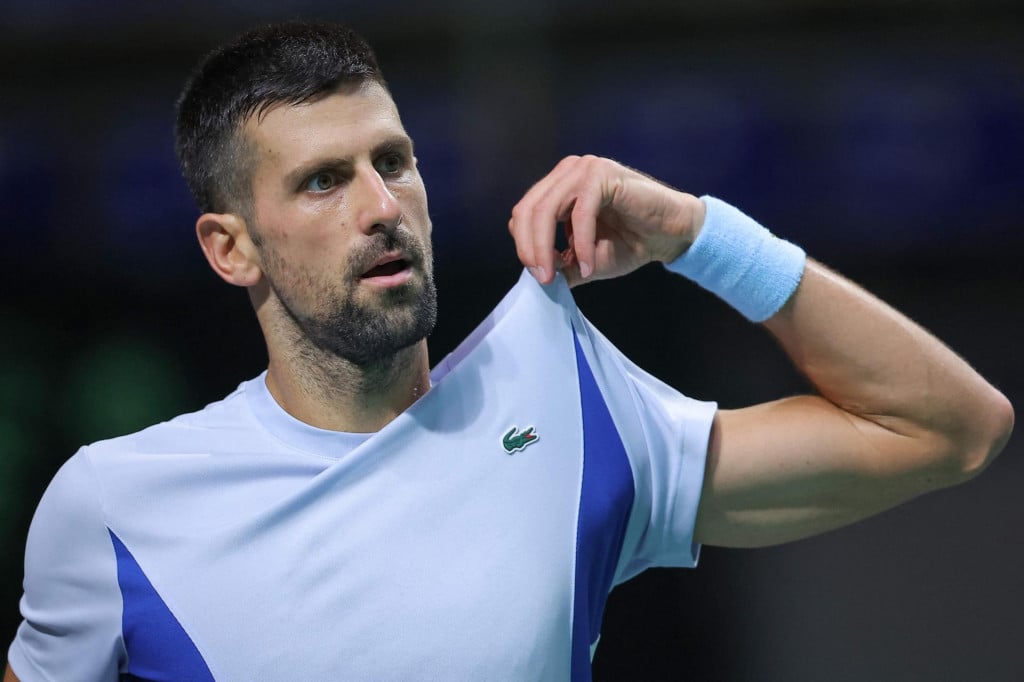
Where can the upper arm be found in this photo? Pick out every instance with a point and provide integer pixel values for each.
(72, 602)
(897, 414)
(796, 467)
(9, 675)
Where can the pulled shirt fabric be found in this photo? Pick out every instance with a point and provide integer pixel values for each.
(476, 536)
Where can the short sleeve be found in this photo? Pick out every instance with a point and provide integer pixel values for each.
(72, 604)
(665, 434)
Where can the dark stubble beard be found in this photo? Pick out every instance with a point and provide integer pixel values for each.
(367, 334)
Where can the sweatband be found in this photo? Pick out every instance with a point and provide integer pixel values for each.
(741, 262)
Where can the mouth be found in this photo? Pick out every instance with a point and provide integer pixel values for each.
(390, 270)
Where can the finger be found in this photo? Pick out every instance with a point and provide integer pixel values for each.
(522, 222)
(582, 199)
(569, 264)
(523, 239)
(535, 218)
(554, 203)
(584, 223)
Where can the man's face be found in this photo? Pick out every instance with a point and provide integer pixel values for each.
(339, 217)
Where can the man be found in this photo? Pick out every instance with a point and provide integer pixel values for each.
(352, 515)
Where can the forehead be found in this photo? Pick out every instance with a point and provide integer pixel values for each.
(346, 122)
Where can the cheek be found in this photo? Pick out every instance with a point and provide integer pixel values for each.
(414, 199)
(311, 230)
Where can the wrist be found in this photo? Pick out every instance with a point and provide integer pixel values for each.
(683, 228)
(740, 261)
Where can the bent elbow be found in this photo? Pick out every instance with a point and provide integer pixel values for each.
(989, 435)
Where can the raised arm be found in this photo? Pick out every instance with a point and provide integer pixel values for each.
(897, 413)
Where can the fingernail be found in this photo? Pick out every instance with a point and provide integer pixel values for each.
(537, 272)
(585, 269)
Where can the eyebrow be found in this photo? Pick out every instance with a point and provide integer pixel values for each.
(304, 170)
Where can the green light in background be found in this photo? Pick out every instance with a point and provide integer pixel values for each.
(121, 385)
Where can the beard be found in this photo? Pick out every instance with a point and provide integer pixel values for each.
(368, 335)
(343, 323)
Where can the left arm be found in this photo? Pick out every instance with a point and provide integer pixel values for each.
(897, 413)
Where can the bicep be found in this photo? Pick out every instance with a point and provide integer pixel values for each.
(796, 467)
(9, 675)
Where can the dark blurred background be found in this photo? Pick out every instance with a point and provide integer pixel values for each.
(885, 137)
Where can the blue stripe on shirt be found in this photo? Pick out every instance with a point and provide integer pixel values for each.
(158, 647)
(606, 500)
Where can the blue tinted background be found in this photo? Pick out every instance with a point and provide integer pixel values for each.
(888, 140)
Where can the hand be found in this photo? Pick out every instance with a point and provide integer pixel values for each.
(616, 219)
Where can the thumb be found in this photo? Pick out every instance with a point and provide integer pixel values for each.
(569, 267)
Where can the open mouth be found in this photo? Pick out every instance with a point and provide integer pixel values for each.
(392, 267)
(389, 271)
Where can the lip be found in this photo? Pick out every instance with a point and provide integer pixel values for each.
(393, 279)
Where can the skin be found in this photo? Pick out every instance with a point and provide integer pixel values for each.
(896, 413)
(334, 180)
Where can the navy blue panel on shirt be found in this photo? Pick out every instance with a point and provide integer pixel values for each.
(158, 647)
(606, 499)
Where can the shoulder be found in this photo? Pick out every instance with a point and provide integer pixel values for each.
(93, 485)
(71, 603)
(190, 432)
(70, 500)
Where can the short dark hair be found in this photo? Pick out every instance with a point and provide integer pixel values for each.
(290, 62)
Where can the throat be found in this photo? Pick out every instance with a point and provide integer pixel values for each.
(332, 393)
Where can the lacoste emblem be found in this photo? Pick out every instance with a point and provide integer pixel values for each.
(514, 442)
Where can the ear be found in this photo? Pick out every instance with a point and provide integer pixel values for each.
(224, 238)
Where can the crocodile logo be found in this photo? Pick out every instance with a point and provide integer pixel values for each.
(514, 442)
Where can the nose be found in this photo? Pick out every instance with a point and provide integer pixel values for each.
(378, 209)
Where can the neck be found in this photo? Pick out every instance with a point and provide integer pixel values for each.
(333, 393)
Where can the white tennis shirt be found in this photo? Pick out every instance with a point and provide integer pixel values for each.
(475, 537)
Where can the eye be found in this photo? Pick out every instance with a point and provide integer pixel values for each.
(390, 164)
(321, 182)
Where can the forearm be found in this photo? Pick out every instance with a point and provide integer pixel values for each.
(898, 413)
(912, 401)
(875, 364)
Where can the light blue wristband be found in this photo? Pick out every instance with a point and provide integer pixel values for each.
(741, 262)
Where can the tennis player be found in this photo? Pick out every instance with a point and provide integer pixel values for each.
(353, 514)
